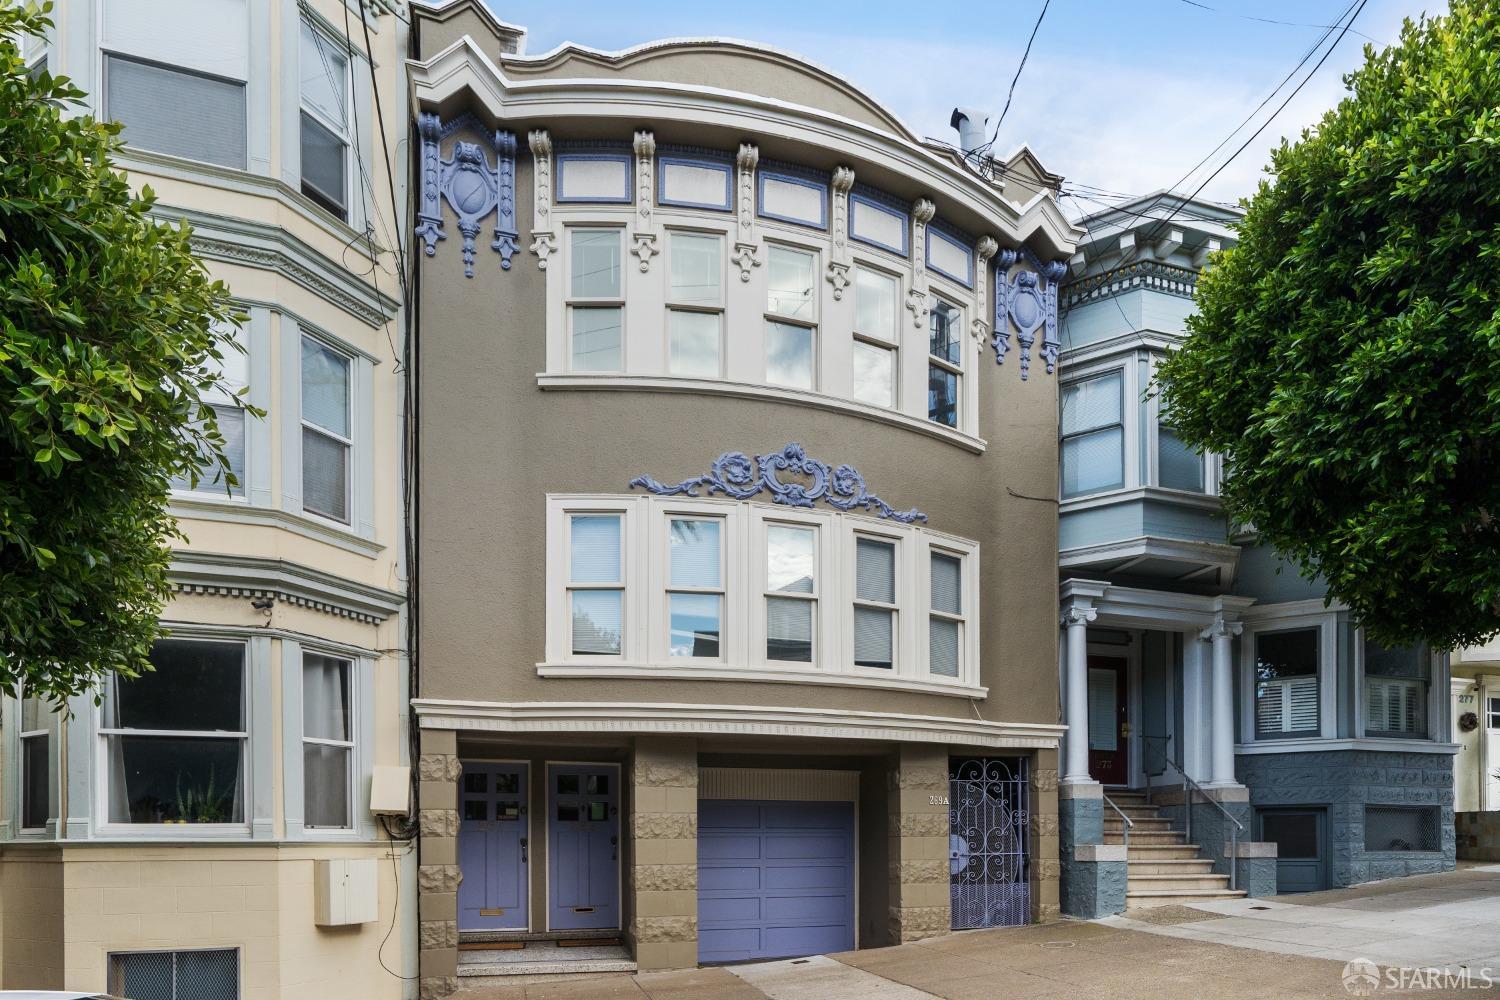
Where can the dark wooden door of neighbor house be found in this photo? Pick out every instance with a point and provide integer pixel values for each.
(1301, 839)
(1109, 729)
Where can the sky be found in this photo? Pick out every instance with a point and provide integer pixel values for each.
(1124, 95)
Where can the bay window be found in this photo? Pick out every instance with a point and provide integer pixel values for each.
(875, 333)
(875, 606)
(1093, 435)
(944, 362)
(174, 738)
(327, 434)
(791, 317)
(324, 123)
(596, 303)
(695, 305)
(1395, 691)
(327, 741)
(229, 416)
(695, 598)
(1178, 467)
(167, 109)
(1286, 682)
(791, 592)
(596, 591)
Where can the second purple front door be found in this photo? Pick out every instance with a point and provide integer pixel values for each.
(583, 860)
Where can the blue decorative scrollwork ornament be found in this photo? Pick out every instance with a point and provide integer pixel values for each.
(1000, 331)
(735, 476)
(472, 188)
(1027, 300)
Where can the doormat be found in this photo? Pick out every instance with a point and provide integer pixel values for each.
(589, 943)
(491, 945)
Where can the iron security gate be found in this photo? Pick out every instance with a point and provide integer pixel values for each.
(987, 844)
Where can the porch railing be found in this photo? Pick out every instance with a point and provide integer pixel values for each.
(1157, 746)
(1129, 823)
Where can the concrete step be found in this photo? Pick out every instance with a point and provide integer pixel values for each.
(1160, 852)
(1180, 897)
(1175, 883)
(543, 958)
(1142, 838)
(1122, 796)
(1139, 824)
(1133, 811)
(1170, 866)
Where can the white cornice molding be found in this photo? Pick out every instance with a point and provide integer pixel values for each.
(1137, 606)
(228, 575)
(443, 79)
(718, 674)
(728, 720)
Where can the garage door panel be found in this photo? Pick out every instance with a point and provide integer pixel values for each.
(790, 894)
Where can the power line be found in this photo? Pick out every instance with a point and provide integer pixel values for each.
(1270, 20)
(981, 150)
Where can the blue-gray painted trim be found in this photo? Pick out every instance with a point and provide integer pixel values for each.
(724, 166)
(194, 571)
(258, 451)
(952, 240)
(858, 200)
(291, 415)
(293, 799)
(799, 178)
(261, 710)
(562, 160)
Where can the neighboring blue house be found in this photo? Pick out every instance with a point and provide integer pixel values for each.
(1192, 657)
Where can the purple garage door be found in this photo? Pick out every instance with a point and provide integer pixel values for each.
(775, 879)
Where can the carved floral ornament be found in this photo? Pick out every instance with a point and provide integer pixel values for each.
(737, 477)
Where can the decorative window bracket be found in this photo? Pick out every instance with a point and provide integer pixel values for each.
(1026, 299)
(472, 188)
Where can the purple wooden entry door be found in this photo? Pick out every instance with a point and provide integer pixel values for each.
(493, 847)
(583, 839)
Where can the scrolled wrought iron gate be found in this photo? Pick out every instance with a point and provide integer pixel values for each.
(989, 865)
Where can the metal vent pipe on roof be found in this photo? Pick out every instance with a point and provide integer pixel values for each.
(972, 124)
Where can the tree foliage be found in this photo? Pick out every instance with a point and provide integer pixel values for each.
(1345, 358)
(106, 346)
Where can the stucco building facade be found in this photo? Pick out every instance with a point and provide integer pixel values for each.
(206, 831)
(734, 575)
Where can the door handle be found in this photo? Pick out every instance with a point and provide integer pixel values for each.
(523, 848)
(1124, 729)
(614, 852)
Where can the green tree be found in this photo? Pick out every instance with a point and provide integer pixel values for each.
(1345, 358)
(106, 345)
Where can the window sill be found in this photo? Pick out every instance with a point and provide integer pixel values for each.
(173, 831)
(1108, 498)
(1309, 744)
(707, 672)
(190, 506)
(748, 390)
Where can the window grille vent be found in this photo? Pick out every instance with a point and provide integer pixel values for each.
(1401, 828)
(176, 975)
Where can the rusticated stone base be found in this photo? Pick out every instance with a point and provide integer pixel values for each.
(913, 923)
(664, 869)
(438, 874)
(437, 987)
(918, 855)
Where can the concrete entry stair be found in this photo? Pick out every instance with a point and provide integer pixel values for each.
(1163, 867)
(540, 958)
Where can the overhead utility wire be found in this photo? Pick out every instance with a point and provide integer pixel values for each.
(981, 150)
(1269, 20)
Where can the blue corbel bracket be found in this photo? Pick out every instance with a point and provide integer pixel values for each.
(472, 188)
(1027, 301)
(734, 475)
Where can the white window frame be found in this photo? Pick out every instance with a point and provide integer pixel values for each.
(659, 638)
(1212, 466)
(102, 736)
(22, 735)
(346, 134)
(572, 302)
(356, 720)
(891, 341)
(958, 370)
(965, 602)
(903, 647)
(218, 399)
(1270, 618)
(816, 254)
(645, 582)
(1127, 458)
(717, 310)
(351, 462)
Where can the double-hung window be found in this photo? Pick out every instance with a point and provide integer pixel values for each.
(945, 620)
(166, 109)
(1494, 713)
(875, 347)
(791, 317)
(325, 140)
(1395, 693)
(175, 737)
(695, 587)
(791, 592)
(1093, 435)
(944, 362)
(36, 774)
(596, 586)
(1286, 682)
(327, 441)
(695, 305)
(875, 604)
(596, 304)
(229, 415)
(327, 741)
(1178, 467)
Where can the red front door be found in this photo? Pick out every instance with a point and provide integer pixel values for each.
(1109, 762)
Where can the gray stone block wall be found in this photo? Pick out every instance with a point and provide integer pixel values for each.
(1345, 781)
(1210, 828)
(1090, 888)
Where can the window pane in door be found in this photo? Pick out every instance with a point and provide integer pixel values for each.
(789, 355)
(597, 621)
(695, 553)
(789, 629)
(695, 624)
(595, 548)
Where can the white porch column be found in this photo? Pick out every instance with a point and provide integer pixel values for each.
(1221, 727)
(1076, 713)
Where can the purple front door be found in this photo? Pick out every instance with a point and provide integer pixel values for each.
(583, 839)
(493, 847)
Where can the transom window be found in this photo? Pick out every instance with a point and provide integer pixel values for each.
(1093, 435)
(174, 738)
(327, 741)
(791, 317)
(327, 434)
(695, 305)
(642, 584)
(325, 140)
(1286, 682)
(596, 300)
(875, 337)
(944, 362)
